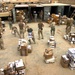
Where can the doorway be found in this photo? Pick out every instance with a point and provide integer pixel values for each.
(36, 14)
(66, 10)
(54, 9)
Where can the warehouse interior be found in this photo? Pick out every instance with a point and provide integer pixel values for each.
(37, 51)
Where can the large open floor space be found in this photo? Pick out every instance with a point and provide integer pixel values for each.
(34, 62)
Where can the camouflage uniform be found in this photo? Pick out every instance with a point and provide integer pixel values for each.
(1, 42)
(59, 18)
(14, 29)
(68, 25)
(21, 28)
(30, 34)
(40, 29)
(1, 27)
(53, 28)
(10, 22)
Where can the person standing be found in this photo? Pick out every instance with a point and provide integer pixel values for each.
(15, 30)
(25, 24)
(68, 25)
(41, 14)
(40, 29)
(35, 15)
(21, 28)
(30, 34)
(59, 18)
(1, 26)
(10, 22)
(52, 29)
(1, 42)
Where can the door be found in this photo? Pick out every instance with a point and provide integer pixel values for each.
(46, 12)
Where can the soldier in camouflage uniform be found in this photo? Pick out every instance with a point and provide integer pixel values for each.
(40, 29)
(1, 42)
(30, 34)
(1, 27)
(15, 30)
(52, 29)
(68, 25)
(21, 28)
(10, 22)
(59, 19)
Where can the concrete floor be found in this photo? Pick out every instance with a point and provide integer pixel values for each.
(34, 62)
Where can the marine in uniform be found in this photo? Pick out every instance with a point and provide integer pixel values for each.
(21, 28)
(52, 29)
(68, 25)
(1, 42)
(15, 30)
(40, 29)
(30, 34)
(10, 22)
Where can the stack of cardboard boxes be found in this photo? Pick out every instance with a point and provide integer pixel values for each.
(48, 55)
(14, 68)
(20, 67)
(24, 47)
(68, 60)
(20, 15)
(52, 42)
(64, 61)
(70, 38)
(71, 56)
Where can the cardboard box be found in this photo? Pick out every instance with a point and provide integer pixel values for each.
(24, 51)
(48, 55)
(64, 61)
(19, 65)
(29, 48)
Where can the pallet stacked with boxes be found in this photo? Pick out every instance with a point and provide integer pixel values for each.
(51, 42)
(20, 67)
(70, 38)
(14, 68)
(68, 60)
(48, 55)
(71, 56)
(24, 48)
(64, 61)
